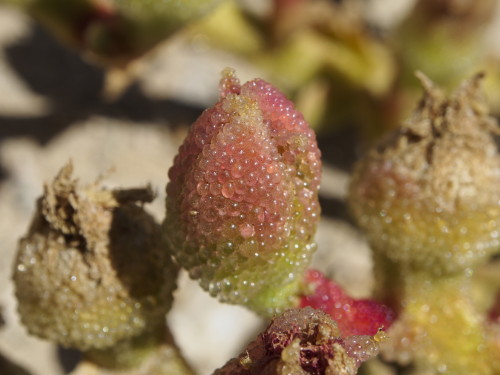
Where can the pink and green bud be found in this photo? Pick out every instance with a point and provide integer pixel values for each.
(242, 201)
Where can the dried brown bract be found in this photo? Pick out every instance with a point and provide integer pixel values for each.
(302, 342)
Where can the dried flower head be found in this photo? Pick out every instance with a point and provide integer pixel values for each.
(429, 195)
(302, 342)
(242, 201)
(93, 268)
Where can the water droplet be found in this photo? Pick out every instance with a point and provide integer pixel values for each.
(237, 170)
(247, 230)
(228, 190)
(203, 188)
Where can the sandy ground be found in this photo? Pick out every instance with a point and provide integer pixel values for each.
(51, 110)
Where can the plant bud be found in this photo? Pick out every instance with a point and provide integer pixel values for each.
(242, 201)
(93, 268)
(303, 342)
(429, 195)
(455, 31)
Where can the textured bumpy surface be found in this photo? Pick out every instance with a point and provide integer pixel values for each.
(303, 342)
(93, 268)
(429, 196)
(242, 203)
(353, 317)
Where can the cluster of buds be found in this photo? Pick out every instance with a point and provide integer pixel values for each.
(94, 271)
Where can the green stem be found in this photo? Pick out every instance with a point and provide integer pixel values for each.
(153, 353)
(438, 327)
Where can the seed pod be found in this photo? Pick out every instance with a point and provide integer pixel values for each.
(242, 204)
(429, 195)
(93, 268)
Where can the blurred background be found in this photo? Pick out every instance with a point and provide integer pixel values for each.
(349, 66)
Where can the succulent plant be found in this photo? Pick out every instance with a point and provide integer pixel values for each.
(428, 200)
(242, 201)
(93, 270)
(115, 32)
(428, 196)
(303, 342)
(455, 31)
